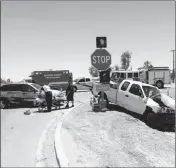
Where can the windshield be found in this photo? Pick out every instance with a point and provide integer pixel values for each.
(38, 87)
(150, 91)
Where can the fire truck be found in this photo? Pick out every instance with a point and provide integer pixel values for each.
(57, 79)
(157, 76)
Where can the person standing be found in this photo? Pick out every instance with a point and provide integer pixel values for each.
(70, 93)
(48, 94)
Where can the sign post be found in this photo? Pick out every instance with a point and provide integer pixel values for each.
(101, 60)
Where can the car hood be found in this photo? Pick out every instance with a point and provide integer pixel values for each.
(152, 104)
(168, 101)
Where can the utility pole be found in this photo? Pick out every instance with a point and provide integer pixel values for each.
(173, 65)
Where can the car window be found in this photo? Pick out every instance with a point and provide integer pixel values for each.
(130, 75)
(36, 86)
(87, 79)
(136, 90)
(136, 75)
(11, 87)
(125, 86)
(82, 80)
(149, 89)
(123, 75)
(27, 88)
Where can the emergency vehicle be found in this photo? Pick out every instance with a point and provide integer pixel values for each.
(157, 76)
(58, 79)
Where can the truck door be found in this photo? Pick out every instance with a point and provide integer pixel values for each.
(167, 79)
(112, 93)
(135, 99)
(151, 77)
(121, 95)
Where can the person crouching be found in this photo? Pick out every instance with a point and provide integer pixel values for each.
(48, 94)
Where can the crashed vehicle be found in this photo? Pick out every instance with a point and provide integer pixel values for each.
(58, 99)
(147, 100)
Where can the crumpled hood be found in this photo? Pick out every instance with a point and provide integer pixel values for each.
(168, 101)
(152, 104)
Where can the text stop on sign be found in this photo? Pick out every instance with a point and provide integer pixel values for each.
(101, 59)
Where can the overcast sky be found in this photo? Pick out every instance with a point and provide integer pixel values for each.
(62, 35)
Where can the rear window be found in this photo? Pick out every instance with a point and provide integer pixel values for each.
(87, 79)
(125, 86)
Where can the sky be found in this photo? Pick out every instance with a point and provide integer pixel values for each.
(62, 35)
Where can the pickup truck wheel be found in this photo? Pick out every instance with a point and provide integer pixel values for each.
(159, 84)
(150, 118)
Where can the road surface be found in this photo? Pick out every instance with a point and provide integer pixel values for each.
(20, 134)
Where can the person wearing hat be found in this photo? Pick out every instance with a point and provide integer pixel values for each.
(48, 94)
(70, 93)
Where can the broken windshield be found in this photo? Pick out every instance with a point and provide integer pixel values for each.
(150, 91)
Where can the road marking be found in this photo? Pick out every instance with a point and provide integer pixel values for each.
(60, 154)
(40, 158)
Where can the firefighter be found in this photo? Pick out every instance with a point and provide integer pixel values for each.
(48, 94)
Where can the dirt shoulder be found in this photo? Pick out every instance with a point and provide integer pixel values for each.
(114, 139)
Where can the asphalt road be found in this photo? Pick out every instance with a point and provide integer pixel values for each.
(20, 133)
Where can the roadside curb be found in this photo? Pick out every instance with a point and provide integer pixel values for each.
(40, 158)
(60, 154)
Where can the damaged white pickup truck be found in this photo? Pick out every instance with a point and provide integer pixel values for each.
(155, 107)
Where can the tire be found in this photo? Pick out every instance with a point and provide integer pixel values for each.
(150, 119)
(147, 116)
(160, 84)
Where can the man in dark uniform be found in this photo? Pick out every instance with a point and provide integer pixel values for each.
(70, 93)
(48, 94)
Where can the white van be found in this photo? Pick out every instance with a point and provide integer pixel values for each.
(130, 75)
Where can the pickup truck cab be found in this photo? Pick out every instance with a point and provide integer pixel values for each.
(82, 84)
(139, 97)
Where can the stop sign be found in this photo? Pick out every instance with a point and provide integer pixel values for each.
(101, 59)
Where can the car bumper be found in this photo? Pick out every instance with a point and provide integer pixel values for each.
(164, 118)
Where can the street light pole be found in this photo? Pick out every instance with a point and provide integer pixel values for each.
(173, 65)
